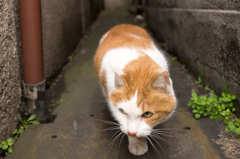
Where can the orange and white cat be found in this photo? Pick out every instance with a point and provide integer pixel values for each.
(135, 79)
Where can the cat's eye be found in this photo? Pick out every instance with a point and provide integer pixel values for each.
(147, 114)
(121, 110)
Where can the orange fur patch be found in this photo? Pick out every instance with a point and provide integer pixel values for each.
(161, 105)
(117, 96)
(103, 81)
(124, 35)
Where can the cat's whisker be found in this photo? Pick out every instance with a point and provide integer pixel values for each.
(159, 130)
(160, 133)
(167, 132)
(157, 143)
(165, 129)
(112, 128)
(110, 144)
(158, 137)
(121, 138)
(164, 153)
(164, 133)
(114, 135)
(155, 149)
(114, 139)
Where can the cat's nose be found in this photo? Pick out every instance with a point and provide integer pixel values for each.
(132, 133)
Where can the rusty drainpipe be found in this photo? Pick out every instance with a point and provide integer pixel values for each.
(32, 56)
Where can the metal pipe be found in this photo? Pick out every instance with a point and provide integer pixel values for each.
(32, 56)
(31, 30)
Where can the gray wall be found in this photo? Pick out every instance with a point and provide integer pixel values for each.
(196, 4)
(10, 78)
(64, 22)
(194, 28)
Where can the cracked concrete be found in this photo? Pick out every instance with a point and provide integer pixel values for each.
(77, 132)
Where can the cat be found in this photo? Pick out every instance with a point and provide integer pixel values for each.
(136, 83)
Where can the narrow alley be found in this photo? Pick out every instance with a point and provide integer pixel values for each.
(78, 133)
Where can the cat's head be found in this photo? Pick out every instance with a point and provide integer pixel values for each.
(141, 101)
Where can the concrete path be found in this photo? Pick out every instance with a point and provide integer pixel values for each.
(77, 133)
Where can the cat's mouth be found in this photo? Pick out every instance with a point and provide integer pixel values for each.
(128, 133)
(136, 134)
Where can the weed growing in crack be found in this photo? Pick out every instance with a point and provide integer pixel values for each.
(173, 59)
(6, 146)
(200, 80)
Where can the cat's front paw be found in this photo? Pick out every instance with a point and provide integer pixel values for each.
(138, 148)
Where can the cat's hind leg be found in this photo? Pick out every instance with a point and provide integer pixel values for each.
(137, 146)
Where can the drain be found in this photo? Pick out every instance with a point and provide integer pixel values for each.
(54, 136)
(187, 128)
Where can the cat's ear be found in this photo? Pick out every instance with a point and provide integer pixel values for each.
(118, 81)
(162, 82)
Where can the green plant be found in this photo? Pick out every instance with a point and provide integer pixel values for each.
(199, 81)
(216, 108)
(17, 133)
(173, 59)
(213, 106)
(144, 25)
(29, 121)
(234, 127)
(6, 146)
(210, 90)
(224, 83)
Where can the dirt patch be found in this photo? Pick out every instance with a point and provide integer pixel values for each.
(230, 144)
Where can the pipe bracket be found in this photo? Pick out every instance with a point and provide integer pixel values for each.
(35, 100)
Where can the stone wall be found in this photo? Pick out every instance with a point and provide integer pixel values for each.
(10, 78)
(193, 29)
(196, 4)
(64, 22)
